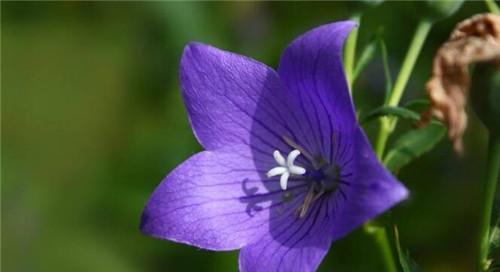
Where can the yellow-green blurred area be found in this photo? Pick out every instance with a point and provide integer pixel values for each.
(92, 120)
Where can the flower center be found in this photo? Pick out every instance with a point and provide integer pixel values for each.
(323, 177)
(325, 181)
(286, 167)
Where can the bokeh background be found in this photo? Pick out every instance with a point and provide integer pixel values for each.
(92, 120)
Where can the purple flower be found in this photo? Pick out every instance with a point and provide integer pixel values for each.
(287, 169)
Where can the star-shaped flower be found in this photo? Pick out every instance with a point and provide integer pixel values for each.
(232, 196)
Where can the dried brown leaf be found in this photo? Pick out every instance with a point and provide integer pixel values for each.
(474, 40)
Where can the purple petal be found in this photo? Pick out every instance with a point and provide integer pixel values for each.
(371, 189)
(311, 69)
(292, 244)
(232, 99)
(223, 93)
(217, 200)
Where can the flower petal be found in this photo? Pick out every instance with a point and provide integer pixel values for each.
(232, 99)
(371, 189)
(294, 244)
(311, 69)
(216, 200)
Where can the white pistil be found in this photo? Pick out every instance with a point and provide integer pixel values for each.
(286, 167)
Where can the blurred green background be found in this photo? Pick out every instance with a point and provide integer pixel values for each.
(92, 120)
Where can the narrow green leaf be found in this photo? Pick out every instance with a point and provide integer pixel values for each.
(406, 262)
(413, 144)
(366, 56)
(492, 6)
(418, 105)
(390, 111)
(387, 69)
(494, 239)
(495, 235)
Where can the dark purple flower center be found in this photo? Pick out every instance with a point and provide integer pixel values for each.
(323, 181)
(327, 176)
(323, 177)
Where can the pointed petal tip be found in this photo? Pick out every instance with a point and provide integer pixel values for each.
(145, 225)
(402, 193)
(190, 49)
(352, 23)
(193, 50)
(194, 45)
(347, 24)
(148, 225)
(397, 194)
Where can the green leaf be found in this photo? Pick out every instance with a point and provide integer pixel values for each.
(387, 70)
(366, 56)
(406, 262)
(390, 111)
(413, 144)
(418, 105)
(495, 235)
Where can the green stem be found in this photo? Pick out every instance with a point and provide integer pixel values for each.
(382, 137)
(491, 179)
(387, 124)
(380, 237)
(350, 52)
(492, 6)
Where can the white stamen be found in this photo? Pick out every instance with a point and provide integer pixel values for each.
(286, 167)
(284, 180)
(279, 158)
(277, 171)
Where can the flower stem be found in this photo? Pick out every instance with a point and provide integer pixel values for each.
(350, 52)
(492, 171)
(387, 124)
(380, 237)
(492, 6)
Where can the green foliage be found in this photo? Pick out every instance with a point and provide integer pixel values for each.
(366, 56)
(413, 144)
(390, 111)
(495, 235)
(362, 6)
(417, 105)
(406, 262)
(387, 70)
(437, 10)
(492, 6)
(494, 243)
(371, 3)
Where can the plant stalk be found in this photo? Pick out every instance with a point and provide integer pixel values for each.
(378, 233)
(491, 180)
(387, 124)
(492, 6)
(381, 239)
